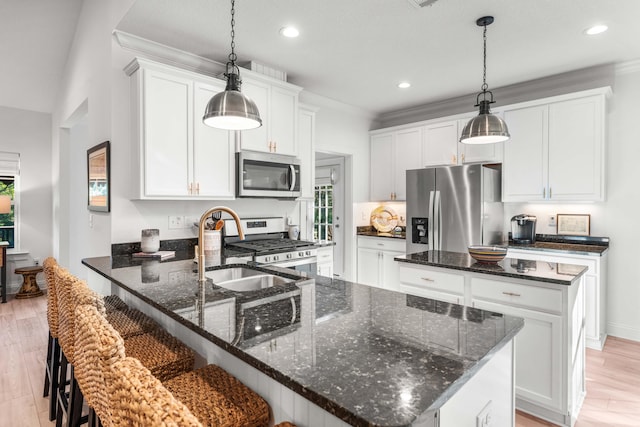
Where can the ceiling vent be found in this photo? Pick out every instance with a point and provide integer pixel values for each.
(422, 3)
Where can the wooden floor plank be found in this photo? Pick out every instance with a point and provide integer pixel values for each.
(612, 375)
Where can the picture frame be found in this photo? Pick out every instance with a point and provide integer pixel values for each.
(99, 177)
(573, 224)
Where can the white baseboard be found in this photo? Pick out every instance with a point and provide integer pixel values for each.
(623, 331)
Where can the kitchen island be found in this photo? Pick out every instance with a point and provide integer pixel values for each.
(349, 354)
(550, 351)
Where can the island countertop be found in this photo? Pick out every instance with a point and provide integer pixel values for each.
(539, 271)
(360, 351)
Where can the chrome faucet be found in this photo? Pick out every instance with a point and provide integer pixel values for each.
(203, 220)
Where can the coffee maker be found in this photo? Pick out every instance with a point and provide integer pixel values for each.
(523, 229)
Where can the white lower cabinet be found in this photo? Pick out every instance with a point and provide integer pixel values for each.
(549, 349)
(594, 289)
(376, 265)
(325, 261)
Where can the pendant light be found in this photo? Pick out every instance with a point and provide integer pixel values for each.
(485, 128)
(231, 110)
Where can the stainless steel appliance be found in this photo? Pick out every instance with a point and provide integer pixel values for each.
(452, 207)
(523, 229)
(261, 174)
(265, 239)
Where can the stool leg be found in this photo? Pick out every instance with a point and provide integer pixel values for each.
(74, 411)
(61, 392)
(47, 367)
(55, 379)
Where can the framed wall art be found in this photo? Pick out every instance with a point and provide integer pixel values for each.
(574, 224)
(98, 174)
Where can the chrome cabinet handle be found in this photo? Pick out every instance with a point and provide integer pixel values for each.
(544, 193)
(550, 196)
(511, 294)
(426, 279)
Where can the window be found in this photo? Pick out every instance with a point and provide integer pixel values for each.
(7, 220)
(9, 186)
(323, 213)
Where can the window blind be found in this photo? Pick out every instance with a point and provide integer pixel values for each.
(9, 163)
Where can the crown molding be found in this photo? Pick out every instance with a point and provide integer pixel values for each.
(168, 55)
(628, 67)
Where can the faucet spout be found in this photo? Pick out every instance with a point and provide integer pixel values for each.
(203, 219)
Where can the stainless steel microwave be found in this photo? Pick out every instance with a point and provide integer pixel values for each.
(267, 175)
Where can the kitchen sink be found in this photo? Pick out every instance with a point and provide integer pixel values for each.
(241, 279)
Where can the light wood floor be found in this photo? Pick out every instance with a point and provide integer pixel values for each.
(613, 375)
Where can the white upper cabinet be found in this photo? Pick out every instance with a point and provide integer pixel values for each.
(440, 144)
(277, 103)
(175, 156)
(392, 154)
(306, 150)
(556, 151)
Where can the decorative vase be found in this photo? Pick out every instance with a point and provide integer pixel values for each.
(150, 240)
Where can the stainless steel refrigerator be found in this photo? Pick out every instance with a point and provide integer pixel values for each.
(452, 207)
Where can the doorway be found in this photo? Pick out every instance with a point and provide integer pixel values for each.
(328, 206)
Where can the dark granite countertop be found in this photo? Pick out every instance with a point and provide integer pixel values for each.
(539, 271)
(359, 349)
(374, 233)
(573, 245)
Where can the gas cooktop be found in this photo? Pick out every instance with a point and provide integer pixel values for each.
(271, 245)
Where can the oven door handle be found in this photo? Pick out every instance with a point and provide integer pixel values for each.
(294, 310)
(292, 177)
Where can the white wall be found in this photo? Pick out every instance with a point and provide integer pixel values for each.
(29, 133)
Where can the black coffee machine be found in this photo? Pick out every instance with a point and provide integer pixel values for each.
(523, 229)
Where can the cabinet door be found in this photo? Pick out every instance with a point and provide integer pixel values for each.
(306, 130)
(407, 152)
(381, 166)
(524, 171)
(369, 266)
(390, 270)
(257, 139)
(538, 354)
(167, 117)
(441, 144)
(213, 151)
(283, 120)
(576, 150)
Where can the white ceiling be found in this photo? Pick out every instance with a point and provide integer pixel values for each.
(35, 38)
(354, 51)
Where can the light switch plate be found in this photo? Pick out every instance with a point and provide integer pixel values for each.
(484, 417)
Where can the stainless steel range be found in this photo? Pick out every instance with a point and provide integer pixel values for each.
(265, 239)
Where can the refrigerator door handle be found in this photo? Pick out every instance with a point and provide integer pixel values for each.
(437, 211)
(430, 220)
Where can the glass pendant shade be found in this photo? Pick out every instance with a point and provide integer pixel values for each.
(485, 128)
(231, 110)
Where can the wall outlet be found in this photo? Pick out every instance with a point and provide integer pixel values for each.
(552, 221)
(484, 417)
(176, 222)
(36, 261)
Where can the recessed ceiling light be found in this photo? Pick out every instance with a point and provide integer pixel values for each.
(404, 85)
(290, 32)
(596, 29)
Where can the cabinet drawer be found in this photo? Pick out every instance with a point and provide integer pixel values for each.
(421, 278)
(515, 294)
(325, 253)
(382, 243)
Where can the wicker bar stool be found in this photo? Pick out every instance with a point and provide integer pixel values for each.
(114, 303)
(52, 364)
(130, 322)
(138, 399)
(72, 293)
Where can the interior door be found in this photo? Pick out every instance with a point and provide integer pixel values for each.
(330, 184)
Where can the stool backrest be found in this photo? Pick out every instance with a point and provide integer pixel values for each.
(98, 346)
(138, 399)
(49, 266)
(72, 292)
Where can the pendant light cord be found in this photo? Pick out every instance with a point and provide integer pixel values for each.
(484, 59)
(232, 55)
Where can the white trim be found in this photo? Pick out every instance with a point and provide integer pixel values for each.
(628, 67)
(623, 331)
